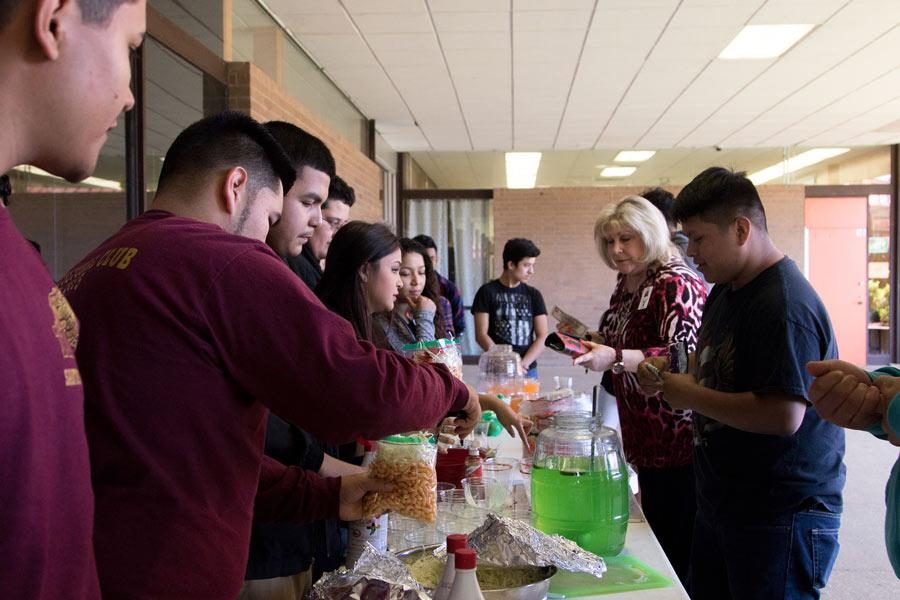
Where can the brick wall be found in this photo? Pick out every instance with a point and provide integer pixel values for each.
(569, 272)
(250, 90)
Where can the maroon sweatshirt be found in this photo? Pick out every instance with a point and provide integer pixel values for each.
(46, 505)
(188, 333)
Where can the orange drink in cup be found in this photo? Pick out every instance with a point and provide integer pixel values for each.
(531, 387)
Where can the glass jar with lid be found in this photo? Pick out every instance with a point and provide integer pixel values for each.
(498, 370)
(579, 483)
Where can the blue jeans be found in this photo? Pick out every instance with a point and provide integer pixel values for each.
(786, 556)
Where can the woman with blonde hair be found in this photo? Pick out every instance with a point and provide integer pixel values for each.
(654, 309)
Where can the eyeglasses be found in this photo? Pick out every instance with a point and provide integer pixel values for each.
(335, 224)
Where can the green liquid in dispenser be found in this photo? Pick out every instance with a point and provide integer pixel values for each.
(589, 508)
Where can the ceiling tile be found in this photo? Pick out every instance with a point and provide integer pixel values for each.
(468, 5)
(393, 23)
(472, 22)
(382, 6)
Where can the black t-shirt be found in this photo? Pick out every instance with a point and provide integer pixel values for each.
(511, 313)
(758, 339)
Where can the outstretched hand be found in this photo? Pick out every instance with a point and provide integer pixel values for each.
(514, 423)
(599, 358)
(845, 395)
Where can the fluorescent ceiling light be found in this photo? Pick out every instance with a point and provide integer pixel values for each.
(521, 169)
(634, 155)
(795, 163)
(617, 171)
(90, 181)
(764, 41)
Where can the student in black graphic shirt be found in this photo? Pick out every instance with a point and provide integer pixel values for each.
(769, 469)
(509, 311)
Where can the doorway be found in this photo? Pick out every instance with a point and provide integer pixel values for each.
(837, 251)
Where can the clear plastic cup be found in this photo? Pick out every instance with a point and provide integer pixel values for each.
(525, 464)
(426, 536)
(485, 493)
(501, 469)
(443, 486)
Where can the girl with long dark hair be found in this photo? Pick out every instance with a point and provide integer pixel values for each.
(419, 314)
(362, 278)
(362, 274)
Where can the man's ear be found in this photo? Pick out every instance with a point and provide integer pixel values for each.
(51, 21)
(234, 189)
(742, 228)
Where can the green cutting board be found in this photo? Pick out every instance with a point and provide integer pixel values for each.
(623, 574)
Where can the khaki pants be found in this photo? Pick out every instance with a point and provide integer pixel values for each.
(295, 587)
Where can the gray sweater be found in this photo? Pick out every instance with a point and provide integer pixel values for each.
(400, 331)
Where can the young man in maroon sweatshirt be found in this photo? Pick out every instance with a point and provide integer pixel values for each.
(191, 328)
(64, 74)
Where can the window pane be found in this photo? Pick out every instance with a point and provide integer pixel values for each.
(173, 95)
(68, 220)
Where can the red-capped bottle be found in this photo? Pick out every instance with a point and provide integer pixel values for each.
(465, 583)
(473, 462)
(455, 541)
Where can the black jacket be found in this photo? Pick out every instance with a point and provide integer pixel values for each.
(306, 266)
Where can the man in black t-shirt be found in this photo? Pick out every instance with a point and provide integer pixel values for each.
(769, 469)
(509, 311)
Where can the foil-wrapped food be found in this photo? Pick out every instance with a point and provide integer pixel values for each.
(513, 543)
(376, 575)
(499, 542)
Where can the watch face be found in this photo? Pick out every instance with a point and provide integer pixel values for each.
(618, 368)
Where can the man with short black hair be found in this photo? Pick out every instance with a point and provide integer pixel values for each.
(65, 72)
(335, 213)
(448, 288)
(769, 468)
(509, 311)
(191, 329)
(281, 553)
(664, 201)
(301, 214)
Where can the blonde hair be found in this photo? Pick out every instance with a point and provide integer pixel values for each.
(637, 214)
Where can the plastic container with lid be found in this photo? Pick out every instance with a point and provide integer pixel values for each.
(498, 370)
(579, 483)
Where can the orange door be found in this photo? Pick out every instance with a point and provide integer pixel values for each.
(837, 256)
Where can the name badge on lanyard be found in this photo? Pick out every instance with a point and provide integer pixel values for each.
(645, 298)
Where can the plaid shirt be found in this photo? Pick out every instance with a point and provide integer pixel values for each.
(451, 293)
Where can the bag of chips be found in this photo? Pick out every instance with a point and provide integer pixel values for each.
(437, 351)
(406, 461)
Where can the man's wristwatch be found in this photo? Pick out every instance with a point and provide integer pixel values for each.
(618, 367)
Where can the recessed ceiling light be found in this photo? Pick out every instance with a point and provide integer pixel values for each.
(92, 181)
(795, 163)
(764, 41)
(634, 155)
(617, 171)
(521, 169)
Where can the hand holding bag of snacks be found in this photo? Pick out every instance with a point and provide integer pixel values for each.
(441, 351)
(407, 461)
